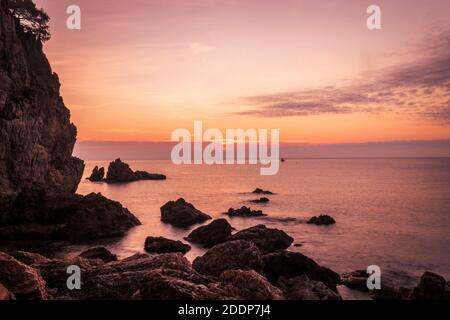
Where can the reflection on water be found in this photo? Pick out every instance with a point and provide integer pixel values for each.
(394, 213)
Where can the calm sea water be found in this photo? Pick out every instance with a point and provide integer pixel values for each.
(394, 213)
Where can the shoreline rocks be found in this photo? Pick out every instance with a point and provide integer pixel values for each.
(163, 245)
(182, 214)
(212, 234)
(98, 253)
(261, 191)
(245, 212)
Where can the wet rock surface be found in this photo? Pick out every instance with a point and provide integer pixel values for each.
(98, 253)
(214, 233)
(182, 214)
(267, 240)
(163, 245)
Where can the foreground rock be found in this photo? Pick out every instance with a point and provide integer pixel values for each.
(97, 174)
(293, 264)
(182, 214)
(230, 255)
(261, 191)
(301, 288)
(22, 281)
(324, 220)
(245, 212)
(120, 172)
(163, 245)
(98, 253)
(5, 294)
(431, 287)
(66, 217)
(208, 236)
(267, 240)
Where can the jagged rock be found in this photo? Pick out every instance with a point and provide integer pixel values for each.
(182, 214)
(67, 217)
(163, 245)
(260, 200)
(167, 284)
(120, 172)
(245, 212)
(301, 288)
(97, 174)
(261, 191)
(230, 255)
(324, 220)
(267, 240)
(249, 285)
(293, 264)
(214, 233)
(23, 281)
(5, 294)
(431, 287)
(29, 258)
(98, 253)
(36, 135)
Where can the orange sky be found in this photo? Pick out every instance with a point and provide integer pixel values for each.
(140, 69)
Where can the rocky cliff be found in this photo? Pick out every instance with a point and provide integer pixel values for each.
(38, 175)
(36, 135)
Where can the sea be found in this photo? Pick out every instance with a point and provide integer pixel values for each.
(392, 213)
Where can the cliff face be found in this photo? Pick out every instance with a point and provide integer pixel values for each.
(36, 135)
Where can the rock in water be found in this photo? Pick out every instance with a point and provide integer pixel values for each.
(120, 172)
(261, 191)
(293, 264)
(163, 245)
(323, 220)
(182, 214)
(230, 255)
(208, 236)
(245, 212)
(97, 174)
(301, 288)
(260, 200)
(99, 253)
(267, 240)
(23, 281)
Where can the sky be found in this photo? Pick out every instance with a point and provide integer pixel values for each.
(140, 69)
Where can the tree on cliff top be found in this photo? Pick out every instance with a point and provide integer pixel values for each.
(32, 19)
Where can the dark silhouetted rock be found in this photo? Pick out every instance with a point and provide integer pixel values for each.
(28, 258)
(261, 191)
(230, 255)
(214, 233)
(293, 264)
(97, 174)
(267, 240)
(182, 214)
(431, 287)
(23, 281)
(120, 172)
(99, 253)
(5, 294)
(163, 245)
(325, 220)
(260, 200)
(245, 212)
(249, 285)
(301, 288)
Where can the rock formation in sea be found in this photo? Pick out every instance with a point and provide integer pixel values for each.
(38, 174)
(120, 172)
(322, 220)
(182, 214)
(214, 233)
(97, 174)
(245, 212)
(163, 245)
